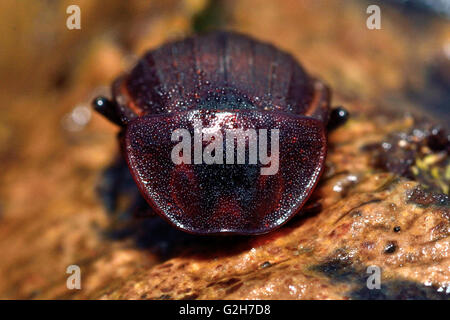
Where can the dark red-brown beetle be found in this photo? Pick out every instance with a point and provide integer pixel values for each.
(221, 80)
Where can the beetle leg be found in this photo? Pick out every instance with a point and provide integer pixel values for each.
(107, 108)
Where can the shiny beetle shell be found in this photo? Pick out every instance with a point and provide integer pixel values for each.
(221, 80)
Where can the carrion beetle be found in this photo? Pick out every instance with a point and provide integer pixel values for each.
(206, 85)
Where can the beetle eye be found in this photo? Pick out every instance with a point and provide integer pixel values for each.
(338, 117)
(106, 107)
(101, 104)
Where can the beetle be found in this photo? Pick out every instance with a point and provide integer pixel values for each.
(221, 80)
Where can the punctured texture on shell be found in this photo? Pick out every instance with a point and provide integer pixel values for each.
(219, 71)
(225, 198)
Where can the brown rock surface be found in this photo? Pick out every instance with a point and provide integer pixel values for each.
(59, 179)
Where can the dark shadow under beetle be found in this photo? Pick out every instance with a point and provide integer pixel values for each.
(132, 218)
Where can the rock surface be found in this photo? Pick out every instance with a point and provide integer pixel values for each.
(64, 199)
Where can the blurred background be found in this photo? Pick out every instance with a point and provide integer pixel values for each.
(53, 148)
